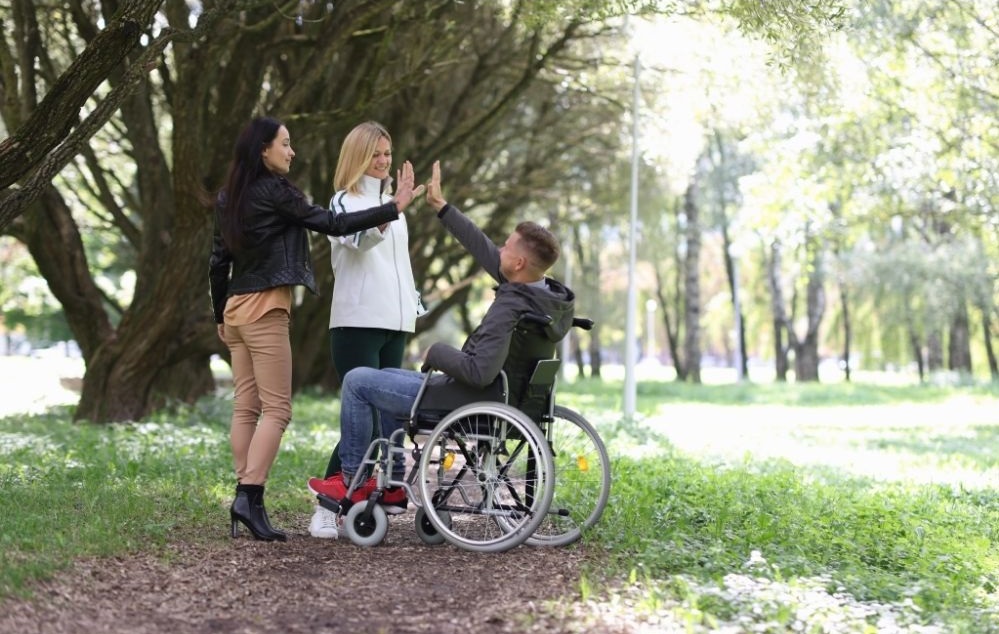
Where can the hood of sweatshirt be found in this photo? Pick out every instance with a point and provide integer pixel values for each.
(556, 302)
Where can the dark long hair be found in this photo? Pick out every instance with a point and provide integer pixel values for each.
(247, 166)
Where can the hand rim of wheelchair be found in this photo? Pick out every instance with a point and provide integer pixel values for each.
(512, 533)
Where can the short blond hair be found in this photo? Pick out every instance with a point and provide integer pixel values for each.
(355, 155)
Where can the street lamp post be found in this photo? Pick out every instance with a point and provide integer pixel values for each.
(630, 340)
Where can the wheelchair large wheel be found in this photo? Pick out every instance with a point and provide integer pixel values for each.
(582, 479)
(486, 477)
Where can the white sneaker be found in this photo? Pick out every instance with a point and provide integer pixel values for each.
(323, 524)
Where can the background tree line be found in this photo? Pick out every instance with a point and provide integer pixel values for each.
(119, 119)
(844, 207)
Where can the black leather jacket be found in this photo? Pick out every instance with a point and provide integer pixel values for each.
(276, 249)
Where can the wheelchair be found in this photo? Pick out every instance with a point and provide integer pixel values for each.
(489, 476)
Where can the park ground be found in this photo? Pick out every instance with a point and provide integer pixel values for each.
(200, 584)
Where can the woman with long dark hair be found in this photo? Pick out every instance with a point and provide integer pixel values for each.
(260, 251)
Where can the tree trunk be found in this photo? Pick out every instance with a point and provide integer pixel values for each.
(934, 351)
(596, 356)
(959, 342)
(692, 286)
(587, 258)
(733, 286)
(987, 339)
(161, 348)
(577, 354)
(672, 335)
(990, 353)
(844, 299)
(836, 209)
(917, 352)
(773, 263)
(806, 349)
(781, 364)
(160, 351)
(56, 247)
(806, 360)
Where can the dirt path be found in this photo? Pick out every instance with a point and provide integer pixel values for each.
(219, 585)
(310, 585)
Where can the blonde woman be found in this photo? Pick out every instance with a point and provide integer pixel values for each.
(375, 302)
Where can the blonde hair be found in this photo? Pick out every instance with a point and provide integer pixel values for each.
(355, 155)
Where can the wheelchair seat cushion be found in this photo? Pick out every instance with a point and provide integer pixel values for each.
(446, 394)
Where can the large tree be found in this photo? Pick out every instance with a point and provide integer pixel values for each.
(481, 97)
(141, 108)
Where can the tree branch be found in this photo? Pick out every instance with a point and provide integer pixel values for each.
(54, 117)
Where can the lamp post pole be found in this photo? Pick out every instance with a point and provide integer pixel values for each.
(631, 341)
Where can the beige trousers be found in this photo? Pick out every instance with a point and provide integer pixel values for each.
(261, 376)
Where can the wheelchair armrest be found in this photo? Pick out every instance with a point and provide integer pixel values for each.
(545, 373)
(429, 372)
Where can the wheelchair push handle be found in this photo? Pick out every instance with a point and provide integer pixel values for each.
(543, 320)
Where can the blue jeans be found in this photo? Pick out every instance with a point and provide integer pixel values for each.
(389, 393)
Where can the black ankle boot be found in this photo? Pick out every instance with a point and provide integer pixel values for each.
(248, 508)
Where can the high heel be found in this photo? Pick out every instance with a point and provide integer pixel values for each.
(248, 509)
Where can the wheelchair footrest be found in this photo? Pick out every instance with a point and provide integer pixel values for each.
(328, 503)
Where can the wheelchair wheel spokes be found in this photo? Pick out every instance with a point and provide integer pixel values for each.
(482, 487)
(582, 479)
(518, 478)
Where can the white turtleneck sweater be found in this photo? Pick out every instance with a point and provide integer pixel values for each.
(374, 286)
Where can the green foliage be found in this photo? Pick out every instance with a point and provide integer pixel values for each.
(41, 328)
(81, 490)
(932, 545)
(26, 305)
(795, 29)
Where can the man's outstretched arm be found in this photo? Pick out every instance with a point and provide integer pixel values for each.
(464, 230)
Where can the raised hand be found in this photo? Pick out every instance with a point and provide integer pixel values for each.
(435, 197)
(405, 193)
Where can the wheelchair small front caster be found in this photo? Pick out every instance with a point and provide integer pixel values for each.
(366, 528)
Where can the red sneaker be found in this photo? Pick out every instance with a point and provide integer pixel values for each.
(394, 500)
(335, 488)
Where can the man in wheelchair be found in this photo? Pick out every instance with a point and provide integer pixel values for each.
(471, 373)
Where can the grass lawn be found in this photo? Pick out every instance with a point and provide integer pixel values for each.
(825, 508)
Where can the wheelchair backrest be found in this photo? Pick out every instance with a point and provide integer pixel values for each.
(531, 366)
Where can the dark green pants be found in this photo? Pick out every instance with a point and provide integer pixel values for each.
(363, 347)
